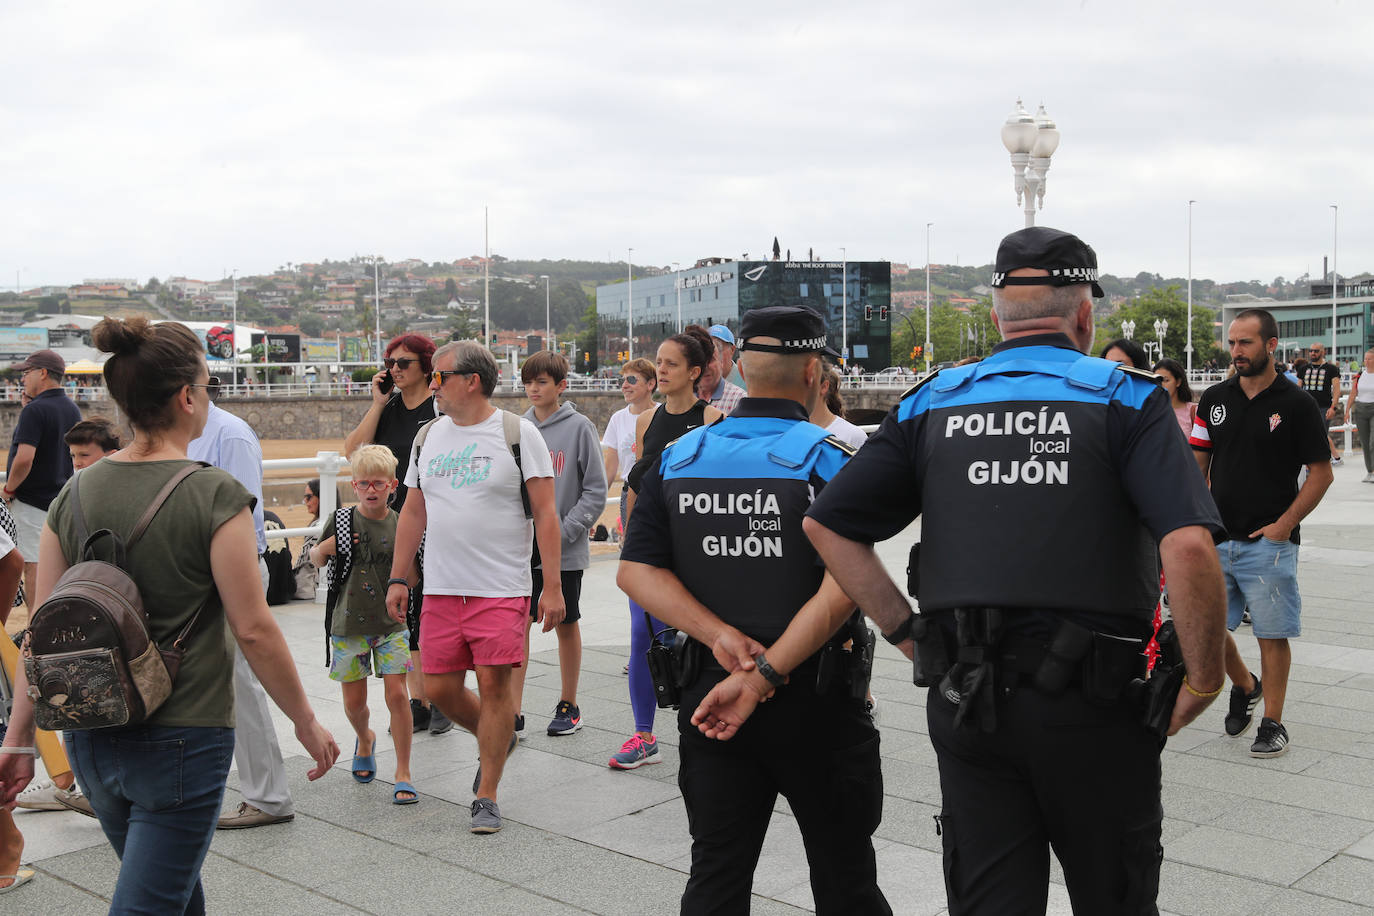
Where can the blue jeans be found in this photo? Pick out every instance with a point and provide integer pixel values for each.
(157, 791)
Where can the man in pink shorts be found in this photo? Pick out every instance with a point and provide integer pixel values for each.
(466, 498)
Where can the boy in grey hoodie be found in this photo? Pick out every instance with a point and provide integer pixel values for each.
(580, 492)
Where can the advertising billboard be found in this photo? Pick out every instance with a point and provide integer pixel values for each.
(319, 350)
(20, 342)
(281, 348)
(356, 350)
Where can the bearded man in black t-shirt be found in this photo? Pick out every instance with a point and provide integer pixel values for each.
(1322, 380)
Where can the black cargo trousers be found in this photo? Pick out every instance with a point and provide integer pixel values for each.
(1057, 771)
(820, 752)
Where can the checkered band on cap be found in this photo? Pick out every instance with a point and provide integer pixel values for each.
(1070, 274)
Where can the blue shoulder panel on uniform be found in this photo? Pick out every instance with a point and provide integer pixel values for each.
(1092, 373)
(950, 379)
(792, 447)
(683, 450)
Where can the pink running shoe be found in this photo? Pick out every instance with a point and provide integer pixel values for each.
(635, 753)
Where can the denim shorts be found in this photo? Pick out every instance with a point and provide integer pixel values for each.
(1262, 575)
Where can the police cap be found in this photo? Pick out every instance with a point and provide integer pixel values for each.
(798, 330)
(1068, 259)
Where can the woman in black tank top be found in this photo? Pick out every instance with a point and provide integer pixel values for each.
(680, 361)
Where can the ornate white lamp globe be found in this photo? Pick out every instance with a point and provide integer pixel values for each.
(1019, 132)
(1047, 135)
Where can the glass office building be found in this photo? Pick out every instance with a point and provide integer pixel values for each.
(721, 292)
(1303, 321)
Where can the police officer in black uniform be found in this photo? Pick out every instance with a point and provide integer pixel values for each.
(1044, 479)
(715, 548)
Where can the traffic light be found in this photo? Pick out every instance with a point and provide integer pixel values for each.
(915, 352)
(882, 313)
(868, 313)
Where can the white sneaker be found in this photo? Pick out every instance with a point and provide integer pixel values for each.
(1337, 462)
(1369, 478)
(41, 795)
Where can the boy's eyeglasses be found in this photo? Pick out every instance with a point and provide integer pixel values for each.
(441, 375)
(371, 484)
(402, 363)
(211, 387)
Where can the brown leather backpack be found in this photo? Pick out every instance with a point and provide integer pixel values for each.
(88, 656)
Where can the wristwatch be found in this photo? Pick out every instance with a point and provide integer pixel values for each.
(769, 673)
(902, 633)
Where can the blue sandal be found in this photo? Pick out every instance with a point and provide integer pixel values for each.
(404, 786)
(366, 765)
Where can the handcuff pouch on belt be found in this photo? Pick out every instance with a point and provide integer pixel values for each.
(970, 681)
(674, 661)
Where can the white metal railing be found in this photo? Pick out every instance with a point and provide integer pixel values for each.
(328, 465)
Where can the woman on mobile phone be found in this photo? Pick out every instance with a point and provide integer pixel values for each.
(401, 404)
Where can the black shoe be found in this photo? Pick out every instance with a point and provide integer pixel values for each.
(1271, 741)
(438, 722)
(519, 727)
(1242, 710)
(419, 715)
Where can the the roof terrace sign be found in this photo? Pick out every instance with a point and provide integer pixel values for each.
(710, 278)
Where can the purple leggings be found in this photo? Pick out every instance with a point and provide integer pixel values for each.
(642, 701)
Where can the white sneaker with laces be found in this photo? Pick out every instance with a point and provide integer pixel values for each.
(41, 795)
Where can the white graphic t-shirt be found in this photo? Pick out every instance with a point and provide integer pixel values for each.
(477, 538)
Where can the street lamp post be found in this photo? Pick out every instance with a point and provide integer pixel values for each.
(1127, 329)
(844, 308)
(1188, 334)
(548, 325)
(925, 350)
(677, 282)
(1335, 214)
(630, 300)
(234, 321)
(1161, 328)
(1031, 142)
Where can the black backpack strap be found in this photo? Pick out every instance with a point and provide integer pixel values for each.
(156, 504)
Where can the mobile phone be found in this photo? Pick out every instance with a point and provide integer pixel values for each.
(386, 382)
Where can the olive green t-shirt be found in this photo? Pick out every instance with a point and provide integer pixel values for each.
(171, 566)
(361, 608)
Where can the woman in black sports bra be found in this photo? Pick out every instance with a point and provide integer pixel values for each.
(681, 358)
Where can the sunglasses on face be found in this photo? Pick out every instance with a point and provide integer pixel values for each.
(377, 485)
(307, 497)
(211, 387)
(630, 380)
(442, 375)
(403, 363)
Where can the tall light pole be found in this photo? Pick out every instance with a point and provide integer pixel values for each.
(548, 325)
(630, 300)
(1128, 329)
(377, 300)
(677, 282)
(844, 307)
(486, 278)
(925, 350)
(1188, 335)
(234, 322)
(1031, 142)
(1335, 214)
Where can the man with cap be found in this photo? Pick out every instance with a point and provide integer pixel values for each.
(715, 385)
(39, 462)
(715, 548)
(1045, 481)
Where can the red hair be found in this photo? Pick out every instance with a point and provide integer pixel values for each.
(418, 344)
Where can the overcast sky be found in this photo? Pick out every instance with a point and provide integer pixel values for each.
(144, 138)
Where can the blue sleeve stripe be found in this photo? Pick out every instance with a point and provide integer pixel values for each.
(998, 389)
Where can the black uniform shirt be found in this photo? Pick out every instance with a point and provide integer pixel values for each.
(1258, 445)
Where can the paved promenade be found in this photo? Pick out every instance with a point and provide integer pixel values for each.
(1242, 836)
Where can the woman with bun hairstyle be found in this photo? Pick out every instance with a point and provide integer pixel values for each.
(681, 359)
(157, 786)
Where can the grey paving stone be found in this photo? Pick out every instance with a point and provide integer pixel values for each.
(53, 833)
(1191, 891)
(655, 834)
(515, 901)
(1362, 848)
(909, 823)
(1248, 856)
(52, 896)
(600, 880)
(1293, 901)
(1344, 877)
(1260, 817)
(234, 888)
(417, 884)
(1198, 805)
(1352, 770)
